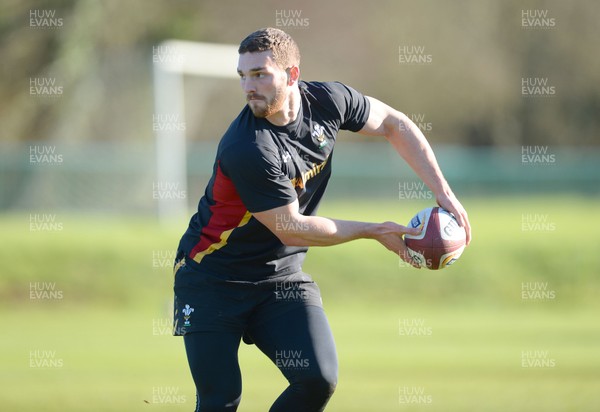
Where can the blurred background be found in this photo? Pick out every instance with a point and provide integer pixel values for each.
(83, 87)
(508, 94)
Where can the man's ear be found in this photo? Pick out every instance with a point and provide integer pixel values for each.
(293, 75)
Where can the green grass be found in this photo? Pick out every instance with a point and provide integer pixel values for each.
(110, 329)
(113, 360)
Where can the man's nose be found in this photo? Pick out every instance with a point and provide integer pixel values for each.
(248, 85)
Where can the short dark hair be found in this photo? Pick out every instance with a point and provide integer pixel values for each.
(285, 50)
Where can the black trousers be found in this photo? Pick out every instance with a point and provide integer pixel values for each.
(298, 341)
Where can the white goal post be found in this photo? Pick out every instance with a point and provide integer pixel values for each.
(172, 60)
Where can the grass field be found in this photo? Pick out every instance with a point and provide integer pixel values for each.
(462, 339)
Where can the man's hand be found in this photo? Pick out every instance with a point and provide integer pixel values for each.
(390, 235)
(449, 202)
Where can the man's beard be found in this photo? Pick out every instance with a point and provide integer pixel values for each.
(266, 108)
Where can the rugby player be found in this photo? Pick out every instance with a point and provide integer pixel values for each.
(238, 270)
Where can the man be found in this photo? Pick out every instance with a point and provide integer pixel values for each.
(238, 271)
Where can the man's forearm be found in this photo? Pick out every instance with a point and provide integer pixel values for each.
(321, 231)
(413, 147)
(411, 144)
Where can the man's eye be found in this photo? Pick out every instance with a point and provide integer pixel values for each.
(254, 75)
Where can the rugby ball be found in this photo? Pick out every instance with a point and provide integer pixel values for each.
(441, 241)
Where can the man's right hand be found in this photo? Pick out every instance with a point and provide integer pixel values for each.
(391, 236)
